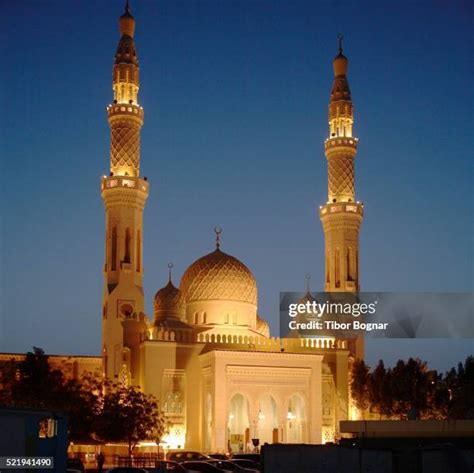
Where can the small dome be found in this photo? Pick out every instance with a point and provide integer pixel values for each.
(263, 327)
(169, 302)
(219, 276)
(340, 65)
(308, 297)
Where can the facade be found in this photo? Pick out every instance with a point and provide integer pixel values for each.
(206, 354)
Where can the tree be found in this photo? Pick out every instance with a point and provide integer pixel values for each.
(129, 415)
(379, 390)
(460, 385)
(359, 384)
(33, 384)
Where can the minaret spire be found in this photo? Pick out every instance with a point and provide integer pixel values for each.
(341, 216)
(170, 267)
(339, 39)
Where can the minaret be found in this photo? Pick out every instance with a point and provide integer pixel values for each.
(342, 215)
(124, 193)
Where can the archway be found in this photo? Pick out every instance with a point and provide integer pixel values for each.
(238, 423)
(267, 430)
(296, 420)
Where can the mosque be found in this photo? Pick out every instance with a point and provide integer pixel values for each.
(206, 353)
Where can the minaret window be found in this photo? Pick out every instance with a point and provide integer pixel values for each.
(127, 246)
(139, 251)
(114, 249)
(350, 264)
(327, 268)
(337, 268)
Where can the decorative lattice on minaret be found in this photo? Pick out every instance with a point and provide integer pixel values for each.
(124, 193)
(342, 215)
(125, 114)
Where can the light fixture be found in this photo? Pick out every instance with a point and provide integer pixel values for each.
(261, 415)
(290, 415)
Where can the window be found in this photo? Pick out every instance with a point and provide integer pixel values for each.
(114, 249)
(350, 264)
(204, 317)
(127, 246)
(337, 268)
(47, 428)
(139, 251)
(173, 403)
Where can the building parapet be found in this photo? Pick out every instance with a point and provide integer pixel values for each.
(250, 342)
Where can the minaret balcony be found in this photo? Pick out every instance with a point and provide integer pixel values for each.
(356, 208)
(129, 182)
(127, 109)
(337, 141)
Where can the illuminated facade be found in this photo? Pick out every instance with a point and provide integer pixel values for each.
(206, 354)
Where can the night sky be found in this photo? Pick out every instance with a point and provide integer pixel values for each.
(235, 96)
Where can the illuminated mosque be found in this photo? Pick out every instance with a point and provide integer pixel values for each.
(206, 353)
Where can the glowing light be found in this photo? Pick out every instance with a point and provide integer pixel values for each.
(261, 415)
(290, 415)
(147, 444)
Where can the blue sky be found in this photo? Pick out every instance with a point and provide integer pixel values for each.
(235, 97)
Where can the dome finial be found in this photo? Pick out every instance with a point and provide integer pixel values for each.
(307, 277)
(339, 38)
(218, 231)
(127, 7)
(170, 267)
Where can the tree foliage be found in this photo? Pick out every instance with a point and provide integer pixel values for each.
(128, 415)
(359, 384)
(411, 390)
(96, 407)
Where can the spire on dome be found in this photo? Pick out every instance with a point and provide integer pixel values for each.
(127, 22)
(340, 62)
(339, 38)
(307, 277)
(170, 267)
(218, 231)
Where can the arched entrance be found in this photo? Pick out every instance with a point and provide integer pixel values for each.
(238, 423)
(267, 430)
(296, 420)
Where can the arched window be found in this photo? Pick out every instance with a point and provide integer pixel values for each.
(350, 264)
(114, 249)
(337, 268)
(196, 320)
(127, 246)
(204, 317)
(139, 251)
(328, 272)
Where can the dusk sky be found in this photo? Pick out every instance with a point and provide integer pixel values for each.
(235, 95)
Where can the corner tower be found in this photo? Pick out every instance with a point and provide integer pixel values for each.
(124, 193)
(342, 215)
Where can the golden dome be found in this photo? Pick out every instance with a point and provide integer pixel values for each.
(169, 302)
(219, 276)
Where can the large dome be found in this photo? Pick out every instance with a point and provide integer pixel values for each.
(219, 276)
